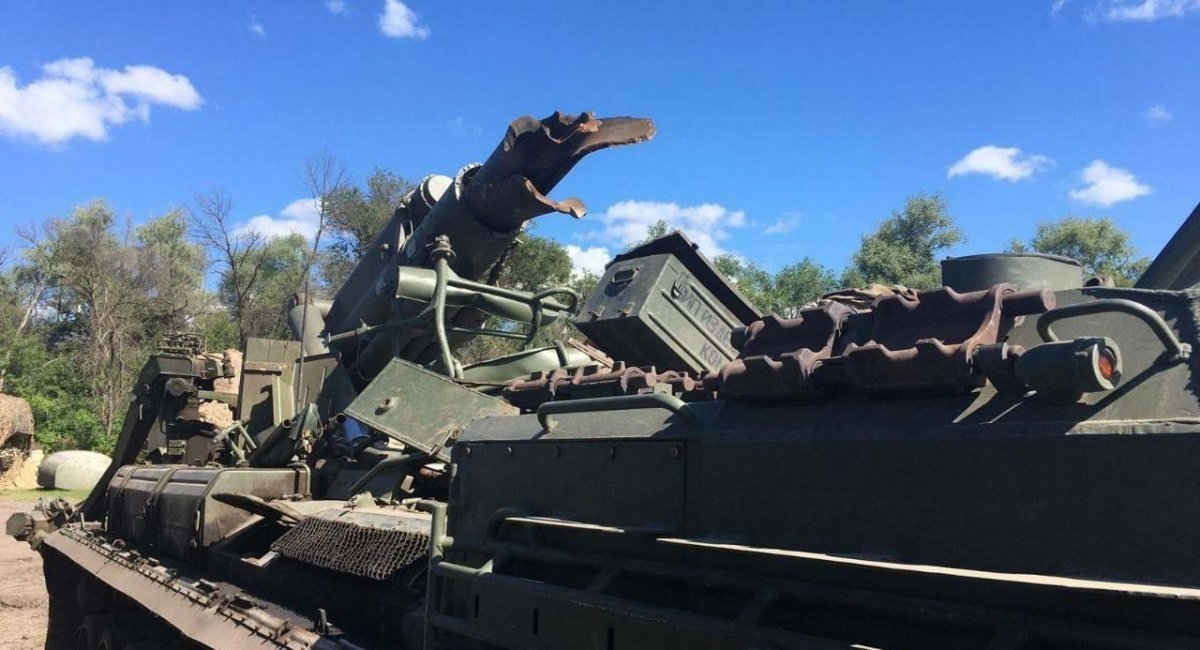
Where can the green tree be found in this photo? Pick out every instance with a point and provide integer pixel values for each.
(753, 281)
(64, 410)
(800, 284)
(535, 264)
(172, 271)
(58, 393)
(657, 229)
(11, 299)
(280, 272)
(99, 285)
(23, 287)
(784, 293)
(355, 218)
(91, 300)
(1100, 245)
(217, 328)
(256, 274)
(904, 248)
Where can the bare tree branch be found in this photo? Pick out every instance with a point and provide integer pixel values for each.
(239, 252)
(324, 175)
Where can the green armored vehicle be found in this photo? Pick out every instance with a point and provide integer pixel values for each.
(1003, 462)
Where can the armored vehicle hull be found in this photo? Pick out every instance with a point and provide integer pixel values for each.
(1000, 463)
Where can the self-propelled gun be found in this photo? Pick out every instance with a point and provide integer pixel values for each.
(1004, 461)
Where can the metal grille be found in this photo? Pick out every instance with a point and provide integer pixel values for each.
(349, 547)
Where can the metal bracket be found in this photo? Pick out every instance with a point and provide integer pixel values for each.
(1176, 349)
(618, 403)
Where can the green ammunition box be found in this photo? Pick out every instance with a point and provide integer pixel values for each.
(663, 304)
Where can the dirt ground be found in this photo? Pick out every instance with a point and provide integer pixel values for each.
(22, 590)
(22, 475)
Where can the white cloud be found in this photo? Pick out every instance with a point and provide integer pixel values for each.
(782, 225)
(1057, 7)
(298, 217)
(302, 209)
(588, 260)
(1001, 163)
(1146, 10)
(74, 98)
(336, 6)
(708, 225)
(459, 129)
(1105, 185)
(256, 27)
(398, 21)
(1158, 114)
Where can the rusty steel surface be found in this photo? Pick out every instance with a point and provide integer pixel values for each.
(542, 152)
(779, 355)
(928, 342)
(593, 381)
(373, 544)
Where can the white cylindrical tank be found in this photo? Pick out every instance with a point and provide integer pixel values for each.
(72, 470)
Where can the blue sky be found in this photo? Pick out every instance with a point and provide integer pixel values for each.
(785, 129)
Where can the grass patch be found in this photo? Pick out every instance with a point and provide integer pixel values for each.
(33, 495)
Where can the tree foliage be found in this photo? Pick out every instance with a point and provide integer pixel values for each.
(236, 256)
(92, 297)
(64, 408)
(534, 264)
(801, 284)
(279, 264)
(1101, 246)
(657, 229)
(905, 247)
(355, 218)
(784, 293)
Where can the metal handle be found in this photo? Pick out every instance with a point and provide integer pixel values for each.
(618, 403)
(625, 275)
(536, 301)
(1178, 350)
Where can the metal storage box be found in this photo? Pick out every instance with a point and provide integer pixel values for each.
(663, 304)
(170, 508)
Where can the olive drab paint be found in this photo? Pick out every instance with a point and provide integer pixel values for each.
(663, 304)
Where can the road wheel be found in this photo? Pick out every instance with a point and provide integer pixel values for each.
(114, 637)
(93, 629)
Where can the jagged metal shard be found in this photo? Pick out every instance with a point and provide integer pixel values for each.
(542, 152)
(510, 187)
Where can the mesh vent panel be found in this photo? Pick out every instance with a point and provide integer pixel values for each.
(348, 547)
